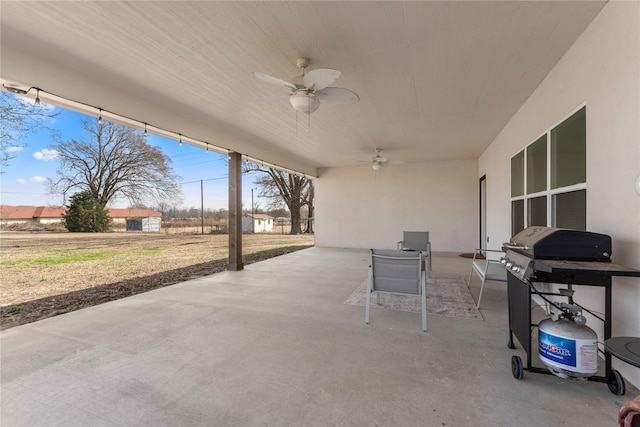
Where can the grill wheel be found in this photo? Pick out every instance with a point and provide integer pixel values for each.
(516, 367)
(616, 383)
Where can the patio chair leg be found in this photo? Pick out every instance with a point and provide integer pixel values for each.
(366, 312)
(480, 294)
(423, 297)
(424, 307)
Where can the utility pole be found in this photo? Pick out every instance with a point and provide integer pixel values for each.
(202, 205)
(253, 220)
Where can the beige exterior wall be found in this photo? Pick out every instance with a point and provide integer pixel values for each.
(601, 71)
(357, 207)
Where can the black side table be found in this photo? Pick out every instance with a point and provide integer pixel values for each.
(625, 348)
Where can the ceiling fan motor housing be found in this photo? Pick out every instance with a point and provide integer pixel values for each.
(302, 63)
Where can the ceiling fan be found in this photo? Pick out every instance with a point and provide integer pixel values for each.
(308, 89)
(378, 162)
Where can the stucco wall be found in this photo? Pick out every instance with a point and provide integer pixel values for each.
(601, 71)
(357, 207)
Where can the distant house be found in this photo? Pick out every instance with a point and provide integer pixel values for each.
(26, 214)
(257, 223)
(47, 215)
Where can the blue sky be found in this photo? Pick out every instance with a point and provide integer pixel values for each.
(24, 180)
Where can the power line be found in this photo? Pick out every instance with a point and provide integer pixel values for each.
(208, 179)
(217, 178)
(199, 163)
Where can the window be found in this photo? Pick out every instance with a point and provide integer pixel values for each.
(517, 174)
(537, 166)
(517, 216)
(548, 178)
(568, 149)
(537, 210)
(568, 209)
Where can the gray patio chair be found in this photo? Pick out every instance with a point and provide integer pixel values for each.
(417, 241)
(397, 272)
(488, 268)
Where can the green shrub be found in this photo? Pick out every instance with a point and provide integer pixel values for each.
(86, 214)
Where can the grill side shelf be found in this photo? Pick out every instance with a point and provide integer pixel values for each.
(585, 267)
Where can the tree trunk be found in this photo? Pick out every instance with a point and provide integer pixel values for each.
(295, 221)
(310, 209)
(309, 229)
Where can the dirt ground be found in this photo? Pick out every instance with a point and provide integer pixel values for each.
(46, 274)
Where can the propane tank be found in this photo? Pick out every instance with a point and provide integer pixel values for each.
(568, 347)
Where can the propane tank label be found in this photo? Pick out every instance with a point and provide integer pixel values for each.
(581, 355)
(588, 357)
(557, 349)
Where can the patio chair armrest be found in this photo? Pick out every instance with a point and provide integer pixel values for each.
(479, 251)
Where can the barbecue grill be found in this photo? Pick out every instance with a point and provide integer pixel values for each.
(560, 256)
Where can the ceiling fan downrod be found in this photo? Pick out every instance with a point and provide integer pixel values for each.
(302, 64)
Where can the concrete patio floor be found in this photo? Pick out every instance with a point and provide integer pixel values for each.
(275, 345)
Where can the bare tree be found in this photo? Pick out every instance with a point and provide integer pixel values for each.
(310, 209)
(19, 118)
(115, 161)
(296, 191)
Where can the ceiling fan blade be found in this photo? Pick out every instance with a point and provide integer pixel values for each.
(273, 80)
(394, 162)
(337, 94)
(320, 78)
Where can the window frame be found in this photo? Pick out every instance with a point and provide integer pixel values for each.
(549, 192)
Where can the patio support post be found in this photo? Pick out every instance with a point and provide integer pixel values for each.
(235, 212)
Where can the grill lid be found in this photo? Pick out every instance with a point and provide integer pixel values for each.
(561, 244)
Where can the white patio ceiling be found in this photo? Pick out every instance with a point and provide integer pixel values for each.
(437, 80)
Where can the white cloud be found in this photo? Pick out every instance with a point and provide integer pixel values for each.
(38, 179)
(14, 149)
(46, 155)
(22, 181)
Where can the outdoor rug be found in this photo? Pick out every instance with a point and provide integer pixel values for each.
(446, 296)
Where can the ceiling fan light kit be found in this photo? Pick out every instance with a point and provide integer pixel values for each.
(304, 103)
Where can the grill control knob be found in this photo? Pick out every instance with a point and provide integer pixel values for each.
(503, 260)
(516, 269)
(509, 264)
